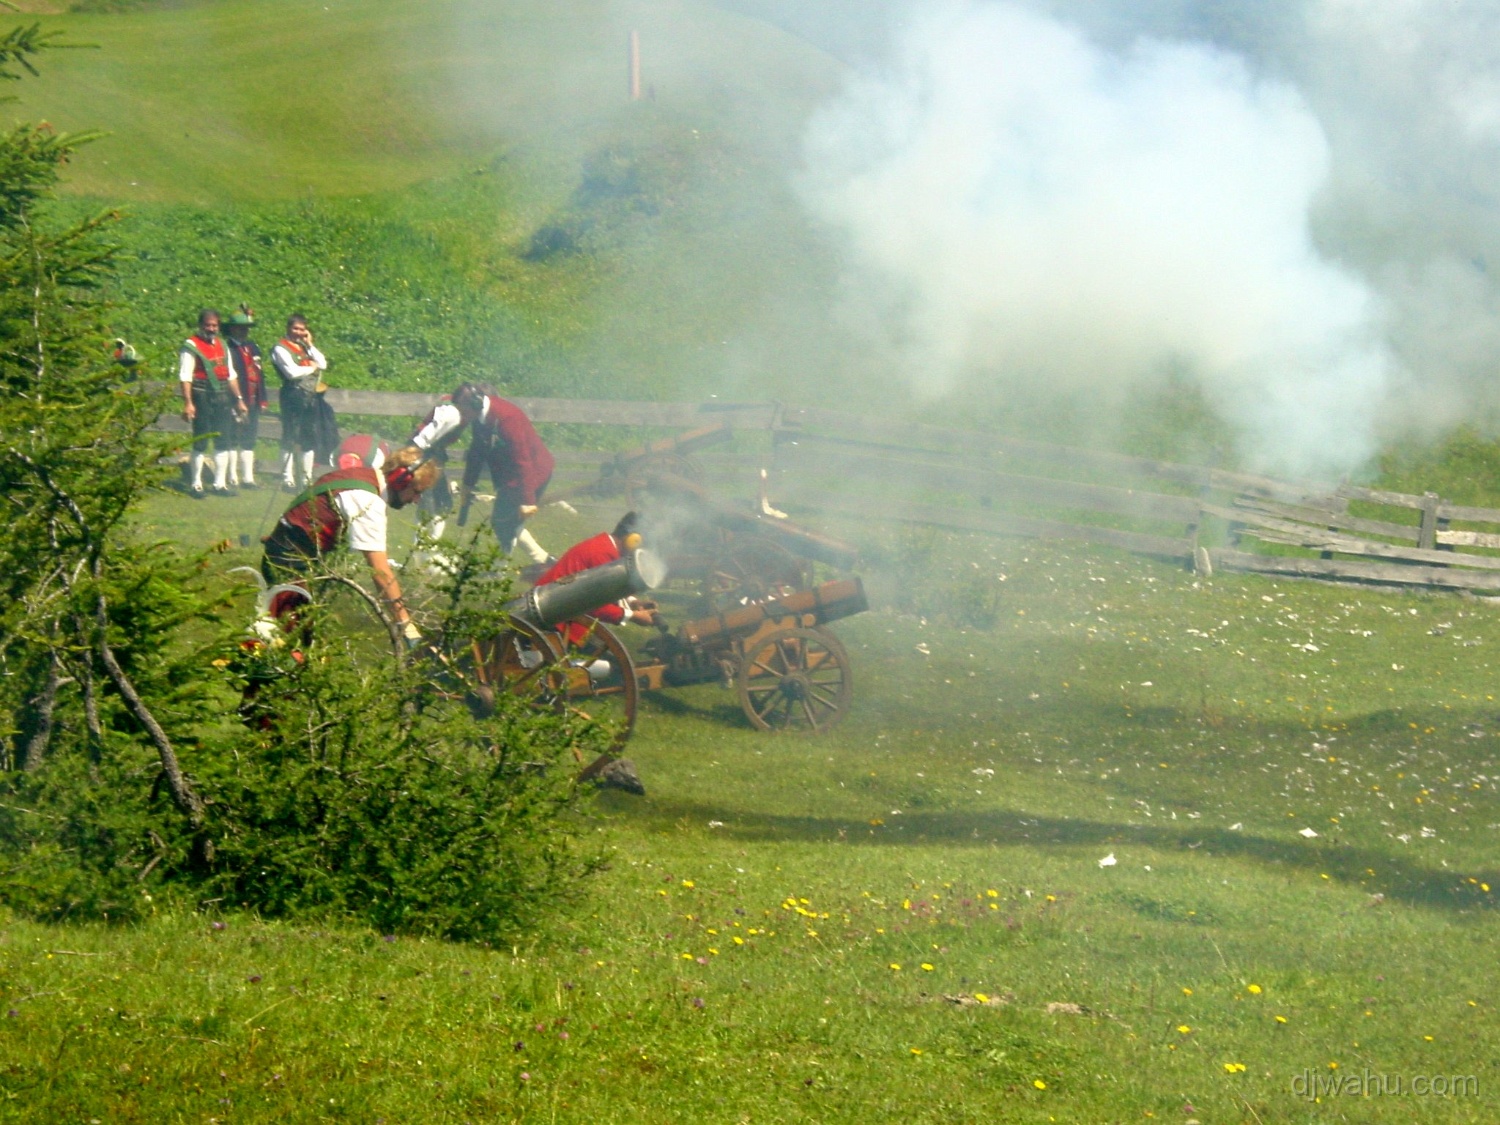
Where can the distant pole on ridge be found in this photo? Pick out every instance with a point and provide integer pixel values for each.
(635, 66)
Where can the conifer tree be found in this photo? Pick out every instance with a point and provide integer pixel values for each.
(75, 455)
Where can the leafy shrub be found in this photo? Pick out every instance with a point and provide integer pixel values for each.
(358, 784)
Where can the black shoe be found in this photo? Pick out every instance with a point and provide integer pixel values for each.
(223, 492)
(249, 486)
(196, 493)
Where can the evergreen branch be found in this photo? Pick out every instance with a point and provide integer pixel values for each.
(21, 43)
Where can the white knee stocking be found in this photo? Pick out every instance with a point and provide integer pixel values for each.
(534, 550)
(247, 466)
(197, 471)
(288, 468)
(221, 468)
(307, 466)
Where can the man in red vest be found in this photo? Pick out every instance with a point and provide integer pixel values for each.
(244, 355)
(351, 503)
(506, 443)
(301, 365)
(211, 400)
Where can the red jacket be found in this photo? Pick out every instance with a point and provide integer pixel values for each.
(247, 366)
(506, 441)
(590, 553)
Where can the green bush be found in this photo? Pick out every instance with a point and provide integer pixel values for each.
(352, 782)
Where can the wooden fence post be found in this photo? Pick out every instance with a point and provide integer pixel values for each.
(635, 66)
(1427, 535)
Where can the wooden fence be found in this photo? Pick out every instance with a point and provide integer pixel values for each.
(839, 465)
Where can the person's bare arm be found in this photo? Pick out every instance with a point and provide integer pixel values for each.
(385, 582)
(185, 381)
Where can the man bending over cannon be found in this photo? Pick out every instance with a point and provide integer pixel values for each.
(506, 443)
(353, 498)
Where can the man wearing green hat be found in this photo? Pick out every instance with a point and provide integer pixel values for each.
(245, 356)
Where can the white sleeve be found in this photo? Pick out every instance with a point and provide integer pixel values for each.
(316, 356)
(445, 420)
(293, 370)
(186, 366)
(364, 515)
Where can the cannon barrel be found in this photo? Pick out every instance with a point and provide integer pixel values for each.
(832, 601)
(576, 594)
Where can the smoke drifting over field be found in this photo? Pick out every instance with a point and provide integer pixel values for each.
(1289, 202)
(1042, 209)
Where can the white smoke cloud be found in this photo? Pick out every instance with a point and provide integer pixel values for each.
(1026, 207)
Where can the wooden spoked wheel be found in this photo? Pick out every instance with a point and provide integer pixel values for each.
(751, 570)
(599, 680)
(795, 679)
(523, 661)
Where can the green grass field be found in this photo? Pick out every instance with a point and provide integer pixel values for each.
(802, 929)
(905, 920)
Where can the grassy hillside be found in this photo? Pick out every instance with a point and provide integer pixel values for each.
(454, 188)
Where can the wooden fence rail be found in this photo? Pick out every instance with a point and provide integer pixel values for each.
(839, 464)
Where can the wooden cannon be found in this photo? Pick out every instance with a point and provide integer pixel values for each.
(788, 668)
(790, 671)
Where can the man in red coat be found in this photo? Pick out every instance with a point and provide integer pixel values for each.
(597, 551)
(503, 441)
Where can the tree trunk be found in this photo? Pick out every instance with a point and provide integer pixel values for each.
(38, 726)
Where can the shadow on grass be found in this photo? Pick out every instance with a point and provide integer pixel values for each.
(1396, 878)
(724, 714)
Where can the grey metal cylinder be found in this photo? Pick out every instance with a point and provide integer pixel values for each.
(576, 594)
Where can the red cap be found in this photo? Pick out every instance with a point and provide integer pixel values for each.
(365, 450)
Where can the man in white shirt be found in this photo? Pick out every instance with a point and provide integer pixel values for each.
(301, 365)
(351, 503)
(506, 443)
(211, 400)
